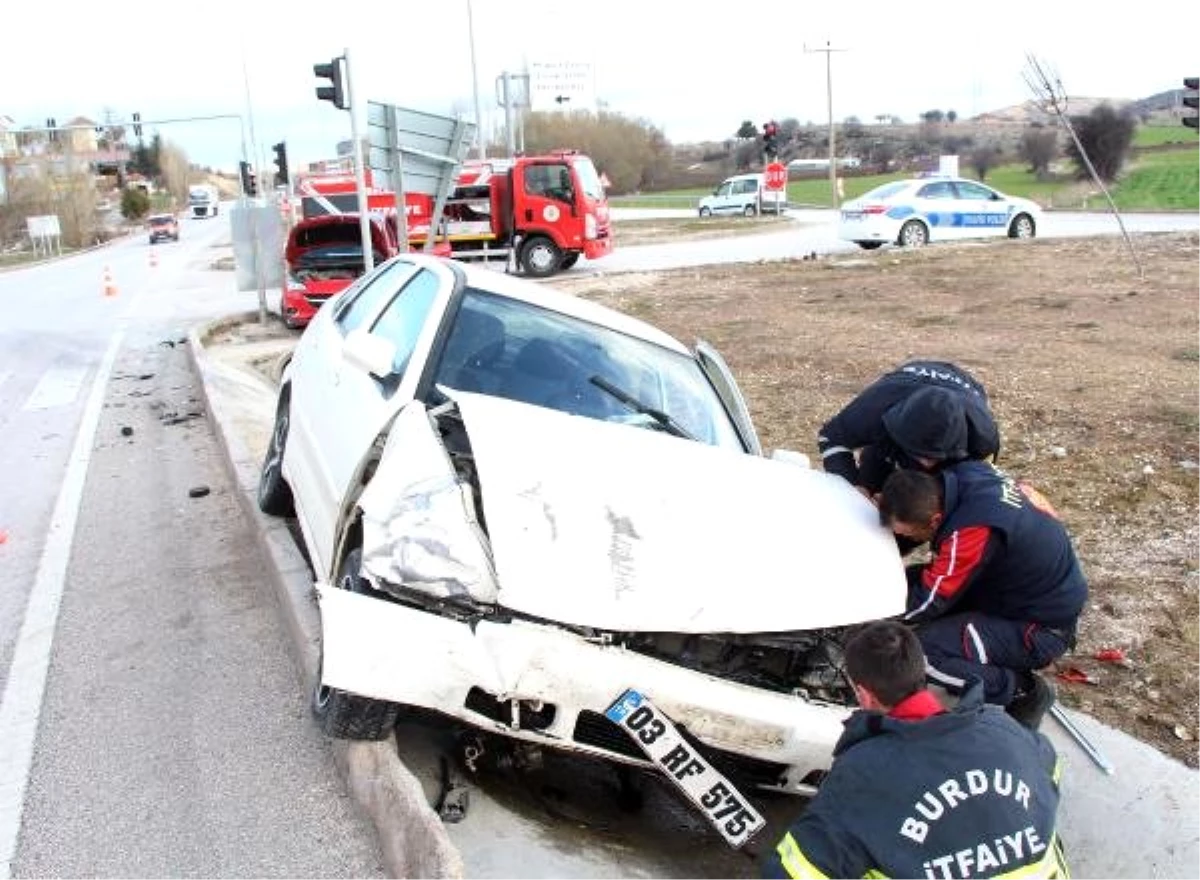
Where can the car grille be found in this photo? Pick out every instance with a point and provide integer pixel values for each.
(593, 729)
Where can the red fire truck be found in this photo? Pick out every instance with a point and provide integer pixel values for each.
(543, 211)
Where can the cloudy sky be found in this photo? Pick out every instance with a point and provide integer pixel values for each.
(690, 69)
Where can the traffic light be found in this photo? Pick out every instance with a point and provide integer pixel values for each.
(333, 71)
(249, 183)
(770, 133)
(137, 124)
(281, 163)
(1192, 84)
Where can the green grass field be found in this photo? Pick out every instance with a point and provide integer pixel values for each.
(1155, 180)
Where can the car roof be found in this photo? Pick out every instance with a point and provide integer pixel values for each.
(154, 217)
(547, 297)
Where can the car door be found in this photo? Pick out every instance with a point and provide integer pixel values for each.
(985, 211)
(723, 198)
(937, 202)
(338, 409)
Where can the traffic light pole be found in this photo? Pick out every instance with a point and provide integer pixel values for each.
(360, 177)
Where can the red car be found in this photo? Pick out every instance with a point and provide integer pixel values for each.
(323, 257)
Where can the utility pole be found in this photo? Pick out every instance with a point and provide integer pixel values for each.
(480, 149)
(829, 50)
(506, 103)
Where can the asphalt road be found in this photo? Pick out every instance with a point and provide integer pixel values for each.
(152, 720)
(815, 231)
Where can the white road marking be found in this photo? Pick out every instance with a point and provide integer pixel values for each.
(21, 704)
(57, 387)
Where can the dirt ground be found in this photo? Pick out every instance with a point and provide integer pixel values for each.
(1093, 374)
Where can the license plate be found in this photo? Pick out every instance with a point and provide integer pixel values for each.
(714, 795)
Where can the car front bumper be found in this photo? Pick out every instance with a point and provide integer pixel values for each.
(546, 684)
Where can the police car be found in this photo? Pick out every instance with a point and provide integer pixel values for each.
(915, 212)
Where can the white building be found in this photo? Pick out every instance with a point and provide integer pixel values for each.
(562, 85)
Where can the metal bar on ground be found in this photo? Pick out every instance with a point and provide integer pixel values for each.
(1084, 743)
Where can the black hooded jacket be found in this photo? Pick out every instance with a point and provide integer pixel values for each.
(969, 792)
(931, 409)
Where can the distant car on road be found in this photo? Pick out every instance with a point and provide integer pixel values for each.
(915, 212)
(162, 226)
(521, 505)
(744, 194)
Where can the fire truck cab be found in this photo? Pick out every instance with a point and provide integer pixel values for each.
(546, 211)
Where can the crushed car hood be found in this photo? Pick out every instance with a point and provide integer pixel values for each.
(617, 527)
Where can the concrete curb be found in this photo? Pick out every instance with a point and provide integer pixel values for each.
(413, 840)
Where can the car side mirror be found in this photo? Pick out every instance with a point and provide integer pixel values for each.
(370, 353)
(789, 456)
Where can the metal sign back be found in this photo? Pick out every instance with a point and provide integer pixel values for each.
(430, 147)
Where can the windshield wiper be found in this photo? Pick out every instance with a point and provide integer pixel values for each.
(664, 420)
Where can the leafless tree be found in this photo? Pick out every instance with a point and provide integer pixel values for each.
(1051, 97)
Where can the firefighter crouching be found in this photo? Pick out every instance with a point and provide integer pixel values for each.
(916, 790)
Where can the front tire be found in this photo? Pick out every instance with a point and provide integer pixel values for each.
(1022, 226)
(540, 257)
(705, 212)
(344, 715)
(274, 494)
(913, 234)
(749, 211)
(869, 245)
(569, 260)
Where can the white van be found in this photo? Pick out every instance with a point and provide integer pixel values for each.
(742, 194)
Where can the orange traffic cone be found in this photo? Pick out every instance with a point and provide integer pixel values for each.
(110, 286)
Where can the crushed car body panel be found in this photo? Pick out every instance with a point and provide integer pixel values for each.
(604, 525)
(419, 527)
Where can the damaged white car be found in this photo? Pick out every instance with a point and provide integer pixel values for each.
(526, 511)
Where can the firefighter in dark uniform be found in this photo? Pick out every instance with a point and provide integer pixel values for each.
(1003, 592)
(919, 791)
(921, 414)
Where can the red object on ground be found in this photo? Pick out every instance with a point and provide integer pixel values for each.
(1075, 675)
(1111, 655)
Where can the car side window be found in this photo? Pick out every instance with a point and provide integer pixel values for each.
(974, 191)
(377, 289)
(403, 319)
(939, 190)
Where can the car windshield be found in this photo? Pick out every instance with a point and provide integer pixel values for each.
(886, 190)
(161, 221)
(520, 351)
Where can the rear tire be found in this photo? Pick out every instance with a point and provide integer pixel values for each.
(913, 234)
(869, 245)
(340, 714)
(274, 494)
(705, 212)
(749, 211)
